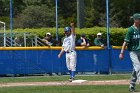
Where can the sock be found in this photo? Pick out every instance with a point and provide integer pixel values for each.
(72, 74)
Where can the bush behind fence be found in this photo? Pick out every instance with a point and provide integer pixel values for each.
(116, 34)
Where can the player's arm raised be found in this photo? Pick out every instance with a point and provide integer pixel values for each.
(72, 28)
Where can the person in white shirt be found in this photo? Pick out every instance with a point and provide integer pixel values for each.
(68, 46)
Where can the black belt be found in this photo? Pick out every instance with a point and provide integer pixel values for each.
(69, 51)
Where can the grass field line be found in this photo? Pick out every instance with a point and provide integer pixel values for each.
(63, 83)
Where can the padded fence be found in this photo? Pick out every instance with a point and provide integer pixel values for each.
(37, 60)
(118, 65)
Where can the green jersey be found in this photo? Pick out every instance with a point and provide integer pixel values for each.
(98, 42)
(133, 38)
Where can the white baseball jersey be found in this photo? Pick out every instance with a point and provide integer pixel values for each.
(69, 43)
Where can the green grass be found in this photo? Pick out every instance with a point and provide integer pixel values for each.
(62, 78)
(67, 89)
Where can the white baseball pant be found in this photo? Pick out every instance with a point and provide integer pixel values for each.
(71, 60)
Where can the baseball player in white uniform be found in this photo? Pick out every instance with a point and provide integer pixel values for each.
(68, 46)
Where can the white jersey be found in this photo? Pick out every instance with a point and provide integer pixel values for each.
(69, 43)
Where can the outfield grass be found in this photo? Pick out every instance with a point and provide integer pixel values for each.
(67, 89)
(62, 78)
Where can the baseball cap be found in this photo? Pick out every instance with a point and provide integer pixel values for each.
(136, 16)
(99, 34)
(48, 34)
(83, 35)
(67, 29)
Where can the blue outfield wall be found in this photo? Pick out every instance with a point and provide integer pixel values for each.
(32, 60)
(118, 65)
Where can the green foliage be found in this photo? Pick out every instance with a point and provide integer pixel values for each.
(116, 34)
(67, 12)
(27, 12)
(5, 19)
(36, 17)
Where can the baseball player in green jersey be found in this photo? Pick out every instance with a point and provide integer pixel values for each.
(68, 46)
(132, 41)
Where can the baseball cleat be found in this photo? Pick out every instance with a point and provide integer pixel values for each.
(71, 79)
(131, 89)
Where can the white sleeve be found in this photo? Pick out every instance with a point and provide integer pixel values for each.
(66, 46)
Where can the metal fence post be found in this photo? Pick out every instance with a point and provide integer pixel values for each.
(4, 33)
(35, 40)
(24, 39)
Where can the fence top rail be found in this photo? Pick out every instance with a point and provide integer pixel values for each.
(116, 47)
(49, 48)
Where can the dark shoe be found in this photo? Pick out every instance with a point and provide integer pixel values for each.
(71, 79)
(131, 89)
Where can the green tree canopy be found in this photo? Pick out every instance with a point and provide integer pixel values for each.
(41, 13)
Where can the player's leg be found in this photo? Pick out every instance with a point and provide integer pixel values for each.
(134, 55)
(73, 60)
(133, 81)
(68, 63)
